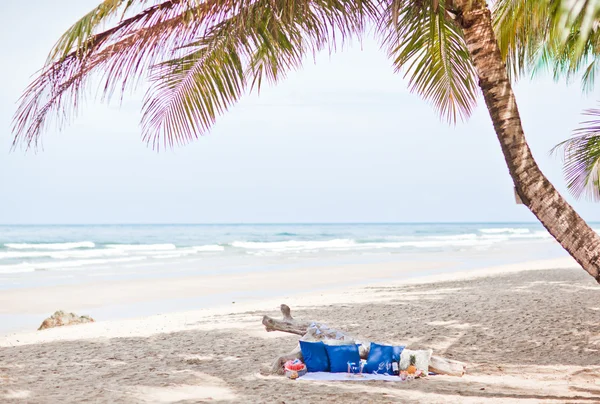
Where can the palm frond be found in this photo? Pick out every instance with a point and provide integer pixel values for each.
(265, 40)
(566, 62)
(120, 56)
(198, 55)
(582, 159)
(428, 46)
(588, 78)
(531, 39)
(522, 28)
(575, 21)
(77, 37)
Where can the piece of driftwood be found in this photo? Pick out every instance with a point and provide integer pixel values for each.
(315, 331)
(445, 366)
(288, 324)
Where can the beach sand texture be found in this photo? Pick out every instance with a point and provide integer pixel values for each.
(528, 337)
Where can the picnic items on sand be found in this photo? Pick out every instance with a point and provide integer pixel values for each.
(356, 369)
(315, 356)
(411, 360)
(315, 332)
(294, 369)
(382, 358)
(385, 362)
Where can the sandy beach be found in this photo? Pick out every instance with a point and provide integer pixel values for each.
(178, 174)
(529, 333)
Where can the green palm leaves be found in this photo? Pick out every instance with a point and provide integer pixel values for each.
(579, 22)
(582, 159)
(201, 56)
(425, 43)
(262, 41)
(532, 37)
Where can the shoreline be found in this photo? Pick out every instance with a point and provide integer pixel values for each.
(180, 320)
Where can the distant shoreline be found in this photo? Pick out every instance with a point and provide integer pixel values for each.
(116, 300)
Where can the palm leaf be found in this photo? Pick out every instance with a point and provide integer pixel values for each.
(522, 28)
(119, 56)
(189, 92)
(531, 39)
(78, 36)
(423, 41)
(197, 54)
(574, 22)
(263, 41)
(582, 159)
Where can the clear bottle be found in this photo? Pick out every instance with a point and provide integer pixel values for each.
(395, 369)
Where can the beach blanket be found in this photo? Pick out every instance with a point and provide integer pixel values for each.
(345, 377)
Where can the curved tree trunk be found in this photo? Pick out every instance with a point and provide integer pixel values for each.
(534, 189)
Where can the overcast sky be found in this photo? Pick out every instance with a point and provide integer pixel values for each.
(341, 140)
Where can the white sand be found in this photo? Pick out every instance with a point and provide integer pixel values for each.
(287, 285)
(530, 333)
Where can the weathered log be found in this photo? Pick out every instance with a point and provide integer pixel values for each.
(288, 324)
(315, 331)
(445, 366)
(287, 312)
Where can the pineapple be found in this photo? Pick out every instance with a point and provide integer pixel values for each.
(412, 369)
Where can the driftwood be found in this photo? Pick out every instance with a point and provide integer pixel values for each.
(315, 331)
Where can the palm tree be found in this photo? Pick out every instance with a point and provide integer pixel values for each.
(201, 56)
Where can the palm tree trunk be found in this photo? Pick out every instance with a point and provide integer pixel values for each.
(534, 189)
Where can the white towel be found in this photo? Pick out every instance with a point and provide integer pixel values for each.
(345, 377)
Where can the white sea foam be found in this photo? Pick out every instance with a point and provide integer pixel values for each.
(534, 235)
(13, 269)
(183, 252)
(50, 246)
(454, 237)
(63, 265)
(64, 254)
(179, 252)
(24, 254)
(510, 230)
(347, 244)
(432, 243)
(292, 245)
(165, 256)
(142, 247)
(208, 248)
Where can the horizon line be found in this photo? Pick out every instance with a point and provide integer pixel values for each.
(262, 223)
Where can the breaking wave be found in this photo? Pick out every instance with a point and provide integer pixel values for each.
(50, 246)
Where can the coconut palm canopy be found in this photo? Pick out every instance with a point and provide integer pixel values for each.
(201, 56)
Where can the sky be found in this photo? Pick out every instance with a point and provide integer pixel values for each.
(341, 140)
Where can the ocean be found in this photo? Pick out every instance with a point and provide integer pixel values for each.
(50, 252)
(34, 259)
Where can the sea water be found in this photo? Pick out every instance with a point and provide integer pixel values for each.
(49, 254)
(38, 256)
